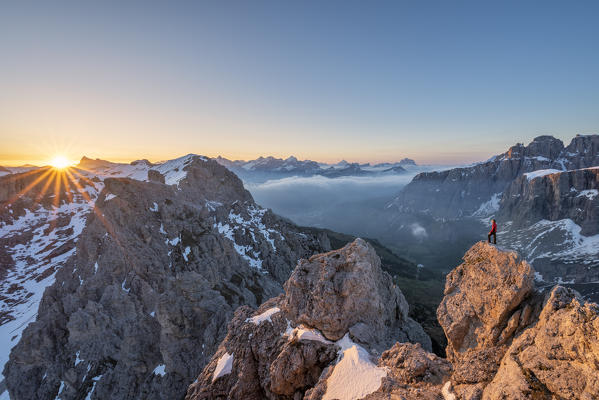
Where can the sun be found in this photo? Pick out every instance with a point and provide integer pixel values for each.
(60, 162)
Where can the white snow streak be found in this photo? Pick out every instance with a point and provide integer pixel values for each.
(223, 366)
(265, 316)
(540, 173)
(354, 376)
(446, 391)
(159, 370)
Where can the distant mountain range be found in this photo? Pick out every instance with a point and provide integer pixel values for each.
(264, 168)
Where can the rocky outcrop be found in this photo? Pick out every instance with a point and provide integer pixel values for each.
(347, 291)
(506, 339)
(338, 306)
(554, 196)
(582, 152)
(481, 296)
(556, 358)
(142, 299)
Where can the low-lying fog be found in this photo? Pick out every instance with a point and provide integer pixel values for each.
(357, 206)
(347, 204)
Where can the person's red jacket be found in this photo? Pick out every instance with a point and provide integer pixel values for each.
(493, 228)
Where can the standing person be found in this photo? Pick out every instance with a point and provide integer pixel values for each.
(493, 232)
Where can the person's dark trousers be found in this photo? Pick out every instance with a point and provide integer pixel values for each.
(494, 237)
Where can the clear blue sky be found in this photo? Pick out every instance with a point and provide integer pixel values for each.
(445, 81)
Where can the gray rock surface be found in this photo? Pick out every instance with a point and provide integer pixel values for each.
(349, 292)
(156, 274)
(459, 192)
(569, 194)
(556, 358)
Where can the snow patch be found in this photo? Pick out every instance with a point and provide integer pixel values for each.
(223, 366)
(95, 381)
(252, 226)
(489, 207)
(538, 277)
(303, 333)
(446, 391)
(123, 286)
(186, 253)
(154, 207)
(540, 173)
(159, 370)
(109, 196)
(77, 359)
(265, 316)
(59, 390)
(589, 194)
(354, 376)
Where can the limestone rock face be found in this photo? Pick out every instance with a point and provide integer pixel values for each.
(336, 307)
(507, 340)
(481, 298)
(556, 358)
(570, 195)
(459, 192)
(347, 291)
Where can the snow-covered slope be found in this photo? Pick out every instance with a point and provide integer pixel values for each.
(103, 261)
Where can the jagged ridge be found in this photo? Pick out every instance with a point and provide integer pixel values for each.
(506, 339)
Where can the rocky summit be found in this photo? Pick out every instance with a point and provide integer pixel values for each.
(322, 338)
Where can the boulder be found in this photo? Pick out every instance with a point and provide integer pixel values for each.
(347, 291)
(482, 296)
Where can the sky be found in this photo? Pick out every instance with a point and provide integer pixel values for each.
(441, 82)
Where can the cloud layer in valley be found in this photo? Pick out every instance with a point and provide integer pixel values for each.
(348, 204)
